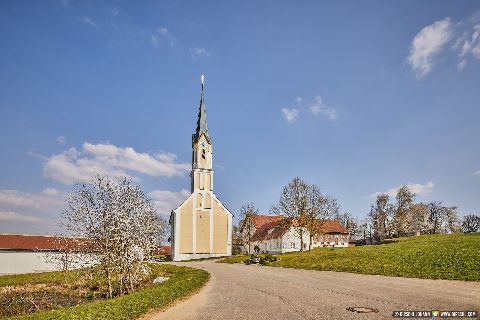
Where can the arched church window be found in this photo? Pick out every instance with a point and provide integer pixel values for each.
(208, 201)
(203, 154)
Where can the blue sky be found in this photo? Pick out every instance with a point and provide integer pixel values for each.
(358, 97)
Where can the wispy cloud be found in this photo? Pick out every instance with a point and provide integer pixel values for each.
(14, 216)
(161, 36)
(61, 139)
(416, 188)
(73, 165)
(477, 173)
(44, 201)
(427, 44)
(431, 43)
(25, 210)
(197, 53)
(290, 114)
(89, 21)
(166, 201)
(318, 107)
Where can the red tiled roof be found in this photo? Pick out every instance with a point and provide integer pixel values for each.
(35, 242)
(273, 229)
(279, 225)
(332, 226)
(260, 220)
(164, 250)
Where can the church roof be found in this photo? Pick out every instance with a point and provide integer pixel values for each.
(202, 127)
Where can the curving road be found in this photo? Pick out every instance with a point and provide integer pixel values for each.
(255, 292)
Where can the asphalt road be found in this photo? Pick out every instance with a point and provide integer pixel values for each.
(255, 292)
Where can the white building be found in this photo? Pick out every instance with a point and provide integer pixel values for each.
(277, 234)
(34, 253)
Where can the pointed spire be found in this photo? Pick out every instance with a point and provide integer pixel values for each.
(202, 126)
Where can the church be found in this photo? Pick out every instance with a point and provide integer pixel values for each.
(201, 227)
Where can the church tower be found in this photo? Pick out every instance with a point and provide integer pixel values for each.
(202, 173)
(201, 227)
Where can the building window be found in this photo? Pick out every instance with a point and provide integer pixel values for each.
(203, 154)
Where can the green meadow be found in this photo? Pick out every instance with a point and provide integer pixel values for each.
(441, 256)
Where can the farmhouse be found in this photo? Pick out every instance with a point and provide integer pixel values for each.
(21, 253)
(202, 226)
(278, 234)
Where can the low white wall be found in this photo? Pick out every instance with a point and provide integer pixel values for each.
(26, 262)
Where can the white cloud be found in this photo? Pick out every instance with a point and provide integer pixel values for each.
(220, 167)
(49, 199)
(199, 52)
(89, 21)
(427, 44)
(61, 139)
(72, 165)
(290, 114)
(461, 64)
(416, 188)
(162, 35)
(166, 201)
(318, 107)
(470, 46)
(477, 173)
(14, 216)
(299, 99)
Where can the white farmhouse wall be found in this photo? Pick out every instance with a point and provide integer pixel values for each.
(27, 262)
(289, 242)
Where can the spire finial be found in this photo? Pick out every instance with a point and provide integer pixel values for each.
(202, 77)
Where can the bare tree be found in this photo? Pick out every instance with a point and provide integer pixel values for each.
(404, 202)
(293, 203)
(247, 225)
(471, 223)
(437, 216)
(419, 218)
(452, 223)
(68, 253)
(121, 225)
(318, 208)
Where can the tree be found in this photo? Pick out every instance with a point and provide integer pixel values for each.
(68, 253)
(471, 223)
(121, 226)
(247, 225)
(293, 203)
(419, 218)
(452, 224)
(437, 216)
(318, 208)
(402, 214)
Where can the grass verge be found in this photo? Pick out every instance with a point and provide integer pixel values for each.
(452, 256)
(183, 281)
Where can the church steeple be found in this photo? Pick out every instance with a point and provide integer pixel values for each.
(202, 127)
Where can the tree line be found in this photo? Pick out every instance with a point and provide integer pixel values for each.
(389, 217)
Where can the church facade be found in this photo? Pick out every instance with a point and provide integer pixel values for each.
(201, 226)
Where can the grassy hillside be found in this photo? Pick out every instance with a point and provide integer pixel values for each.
(455, 256)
